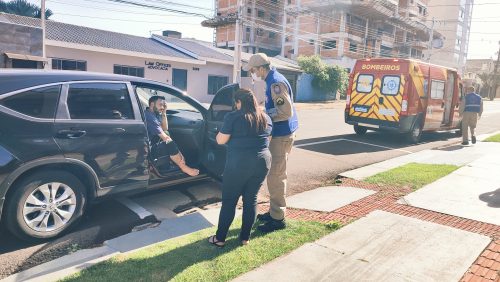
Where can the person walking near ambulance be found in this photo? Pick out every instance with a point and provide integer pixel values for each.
(471, 110)
(279, 106)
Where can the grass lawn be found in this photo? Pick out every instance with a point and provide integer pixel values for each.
(494, 138)
(413, 175)
(192, 258)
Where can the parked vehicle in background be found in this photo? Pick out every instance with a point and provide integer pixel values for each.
(68, 139)
(401, 95)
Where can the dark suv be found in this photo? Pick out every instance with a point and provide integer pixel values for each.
(69, 138)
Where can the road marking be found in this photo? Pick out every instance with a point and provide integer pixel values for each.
(136, 208)
(319, 142)
(349, 140)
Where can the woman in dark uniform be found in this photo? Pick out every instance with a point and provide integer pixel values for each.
(247, 132)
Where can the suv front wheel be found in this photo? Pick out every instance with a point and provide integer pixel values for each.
(44, 204)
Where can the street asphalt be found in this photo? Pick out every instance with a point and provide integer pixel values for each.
(325, 146)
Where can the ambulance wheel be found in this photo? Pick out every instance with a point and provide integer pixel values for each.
(416, 133)
(360, 130)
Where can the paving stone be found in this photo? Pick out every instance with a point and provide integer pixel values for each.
(327, 198)
(379, 247)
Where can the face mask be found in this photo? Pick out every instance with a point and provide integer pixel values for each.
(255, 77)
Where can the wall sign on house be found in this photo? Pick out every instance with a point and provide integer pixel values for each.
(157, 65)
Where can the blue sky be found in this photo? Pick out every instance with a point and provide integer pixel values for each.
(103, 14)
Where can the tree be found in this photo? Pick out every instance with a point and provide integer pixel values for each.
(326, 77)
(489, 81)
(23, 8)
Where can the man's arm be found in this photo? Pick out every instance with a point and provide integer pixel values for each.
(164, 137)
(282, 102)
(481, 108)
(164, 121)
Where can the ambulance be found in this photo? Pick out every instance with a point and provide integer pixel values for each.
(403, 95)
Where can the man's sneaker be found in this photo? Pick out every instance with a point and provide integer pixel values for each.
(473, 139)
(465, 143)
(264, 217)
(272, 225)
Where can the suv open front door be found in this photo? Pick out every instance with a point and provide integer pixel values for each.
(214, 155)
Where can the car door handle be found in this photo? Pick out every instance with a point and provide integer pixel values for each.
(119, 130)
(71, 134)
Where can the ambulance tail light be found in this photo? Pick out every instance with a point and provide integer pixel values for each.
(348, 100)
(404, 107)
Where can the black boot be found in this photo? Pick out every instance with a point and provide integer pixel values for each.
(264, 217)
(272, 225)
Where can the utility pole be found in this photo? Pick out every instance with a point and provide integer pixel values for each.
(284, 28)
(44, 55)
(495, 79)
(430, 40)
(237, 45)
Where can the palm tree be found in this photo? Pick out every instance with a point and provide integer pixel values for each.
(23, 8)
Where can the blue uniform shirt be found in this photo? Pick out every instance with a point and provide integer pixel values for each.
(472, 103)
(286, 127)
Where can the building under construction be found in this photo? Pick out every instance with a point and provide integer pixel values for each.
(340, 31)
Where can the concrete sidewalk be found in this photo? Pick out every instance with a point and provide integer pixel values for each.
(388, 247)
(379, 246)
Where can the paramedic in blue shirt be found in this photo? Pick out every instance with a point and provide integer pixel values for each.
(161, 142)
(279, 106)
(471, 110)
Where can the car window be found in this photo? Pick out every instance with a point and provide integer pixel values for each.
(223, 103)
(39, 103)
(390, 85)
(437, 89)
(174, 103)
(364, 83)
(99, 101)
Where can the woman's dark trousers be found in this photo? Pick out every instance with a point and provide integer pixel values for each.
(244, 174)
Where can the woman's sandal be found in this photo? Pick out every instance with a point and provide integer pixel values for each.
(213, 240)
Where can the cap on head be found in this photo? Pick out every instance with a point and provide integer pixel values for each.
(257, 60)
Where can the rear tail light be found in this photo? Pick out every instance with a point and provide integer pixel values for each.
(348, 101)
(404, 106)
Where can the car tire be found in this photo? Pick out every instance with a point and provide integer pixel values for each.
(360, 130)
(45, 204)
(415, 133)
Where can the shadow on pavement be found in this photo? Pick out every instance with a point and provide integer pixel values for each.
(103, 221)
(450, 148)
(492, 198)
(377, 142)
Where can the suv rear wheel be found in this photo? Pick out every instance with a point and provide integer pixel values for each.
(45, 204)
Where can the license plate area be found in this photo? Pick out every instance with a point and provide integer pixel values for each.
(361, 108)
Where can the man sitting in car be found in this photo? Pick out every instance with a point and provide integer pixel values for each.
(162, 143)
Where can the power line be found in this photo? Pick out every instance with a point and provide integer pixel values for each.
(134, 3)
(125, 20)
(113, 10)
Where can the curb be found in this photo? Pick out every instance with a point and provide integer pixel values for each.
(131, 242)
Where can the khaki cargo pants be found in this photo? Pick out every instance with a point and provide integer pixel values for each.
(280, 147)
(469, 120)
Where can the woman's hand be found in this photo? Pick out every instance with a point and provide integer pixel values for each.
(222, 138)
